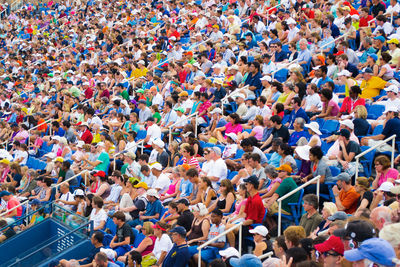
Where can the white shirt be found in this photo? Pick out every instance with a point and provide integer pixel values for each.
(268, 68)
(292, 34)
(391, 9)
(157, 100)
(162, 183)
(21, 154)
(115, 192)
(153, 156)
(154, 131)
(95, 120)
(265, 111)
(207, 166)
(162, 244)
(220, 170)
(387, 28)
(67, 197)
(98, 218)
(230, 149)
(312, 100)
(188, 104)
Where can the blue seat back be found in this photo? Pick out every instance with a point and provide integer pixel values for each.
(334, 170)
(330, 126)
(375, 111)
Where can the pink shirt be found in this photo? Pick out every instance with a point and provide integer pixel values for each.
(391, 173)
(239, 205)
(335, 107)
(259, 132)
(229, 128)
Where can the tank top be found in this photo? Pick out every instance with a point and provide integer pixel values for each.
(196, 232)
(172, 188)
(106, 193)
(150, 248)
(221, 203)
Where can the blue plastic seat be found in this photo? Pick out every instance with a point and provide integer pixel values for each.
(231, 175)
(141, 134)
(367, 161)
(330, 126)
(375, 111)
(378, 130)
(335, 171)
(296, 209)
(281, 75)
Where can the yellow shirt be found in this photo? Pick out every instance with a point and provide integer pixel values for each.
(96, 138)
(372, 87)
(139, 73)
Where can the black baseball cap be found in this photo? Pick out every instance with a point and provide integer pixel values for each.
(252, 180)
(358, 230)
(183, 201)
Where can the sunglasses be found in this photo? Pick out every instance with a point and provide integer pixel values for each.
(327, 253)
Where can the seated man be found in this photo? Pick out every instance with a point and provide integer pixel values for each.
(346, 198)
(124, 235)
(153, 209)
(287, 185)
(97, 242)
(7, 232)
(212, 250)
(348, 151)
(299, 132)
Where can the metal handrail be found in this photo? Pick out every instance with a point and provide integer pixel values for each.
(37, 126)
(284, 66)
(317, 178)
(266, 255)
(84, 102)
(391, 138)
(182, 120)
(235, 92)
(333, 41)
(199, 248)
(69, 179)
(16, 207)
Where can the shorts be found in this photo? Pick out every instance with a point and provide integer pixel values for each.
(275, 208)
(382, 148)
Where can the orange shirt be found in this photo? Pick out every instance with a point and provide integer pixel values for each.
(42, 127)
(349, 200)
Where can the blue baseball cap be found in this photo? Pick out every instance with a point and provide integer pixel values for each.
(374, 249)
(373, 56)
(380, 38)
(247, 260)
(180, 230)
(4, 193)
(35, 202)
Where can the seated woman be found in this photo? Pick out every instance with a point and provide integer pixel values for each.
(366, 196)
(318, 167)
(208, 194)
(329, 208)
(286, 152)
(261, 239)
(257, 127)
(238, 215)
(147, 245)
(383, 172)
(226, 199)
(275, 182)
(170, 217)
(330, 108)
(233, 126)
(352, 101)
(200, 228)
(244, 172)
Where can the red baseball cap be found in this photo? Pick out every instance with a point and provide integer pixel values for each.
(339, 53)
(333, 243)
(100, 174)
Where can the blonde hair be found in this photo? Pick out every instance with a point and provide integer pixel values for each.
(388, 233)
(330, 207)
(361, 111)
(148, 226)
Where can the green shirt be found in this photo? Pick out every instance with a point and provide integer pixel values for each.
(105, 161)
(157, 117)
(285, 187)
(134, 127)
(75, 91)
(125, 95)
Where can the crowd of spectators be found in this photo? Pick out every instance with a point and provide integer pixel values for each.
(176, 121)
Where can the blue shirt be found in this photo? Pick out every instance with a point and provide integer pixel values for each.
(280, 56)
(154, 208)
(178, 256)
(294, 115)
(254, 80)
(323, 81)
(304, 55)
(296, 136)
(275, 160)
(392, 127)
(60, 132)
(353, 69)
(186, 188)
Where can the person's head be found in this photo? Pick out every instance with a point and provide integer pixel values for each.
(298, 124)
(147, 228)
(329, 208)
(276, 120)
(279, 246)
(331, 251)
(226, 187)
(390, 233)
(360, 112)
(118, 218)
(362, 184)
(97, 238)
(382, 163)
(134, 258)
(178, 235)
(381, 216)
(298, 254)
(183, 204)
(310, 203)
(97, 202)
(316, 153)
(216, 216)
(293, 234)
(101, 259)
(326, 95)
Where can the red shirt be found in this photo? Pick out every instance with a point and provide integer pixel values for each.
(89, 93)
(13, 202)
(364, 21)
(87, 137)
(254, 209)
(349, 104)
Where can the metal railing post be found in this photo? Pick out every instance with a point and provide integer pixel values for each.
(199, 261)
(195, 128)
(279, 217)
(240, 239)
(318, 185)
(170, 135)
(393, 148)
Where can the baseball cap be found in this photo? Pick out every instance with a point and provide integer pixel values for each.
(266, 78)
(393, 41)
(233, 136)
(395, 190)
(35, 202)
(141, 91)
(358, 230)
(251, 97)
(183, 93)
(344, 176)
(141, 185)
(380, 38)
(392, 88)
(216, 110)
(376, 250)
(339, 215)
(241, 96)
(386, 186)
(373, 56)
(367, 70)
(348, 123)
(59, 159)
(333, 243)
(247, 260)
(180, 109)
(285, 167)
(179, 230)
(153, 193)
(344, 73)
(229, 252)
(5, 161)
(252, 179)
(150, 119)
(391, 109)
(183, 201)
(79, 192)
(156, 166)
(261, 230)
(158, 142)
(100, 174)
(4, 193)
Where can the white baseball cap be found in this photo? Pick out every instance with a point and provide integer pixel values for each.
(79, 192)
(216, 110)
(391, 109)
(386, 186)
(240, 95)
(392, 88)
(153, 193)
(80, 144)
(233, 136)
(229, 252)
(344, 73)
(266, 78)
(156, 166)
(158, 142)
(348, 123)
(261, 230)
